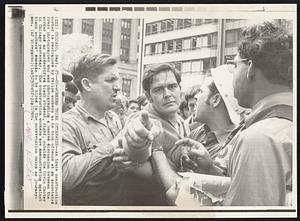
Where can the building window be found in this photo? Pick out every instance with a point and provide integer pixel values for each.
(67, 26)
(196, 66)
(124, 55)
(186, 67)
(187, 23)
(107, 35)
(170, 25)
(148, 29)
(125, 40)
(194, 43)
(88, 27)
(169, 46)
(163, 27)
(199, 22)
(212, 40)
(154, 29)
(208, 21)
(209, 63)
(232, 37)
(178, 45)
(152, 49)
(126, 23)
(179, 24)
(126, 86)
(186, 44)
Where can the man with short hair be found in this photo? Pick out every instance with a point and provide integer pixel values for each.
(262, 152)
(90, 141)
(213, 113)
(259, 157)
(161, 84)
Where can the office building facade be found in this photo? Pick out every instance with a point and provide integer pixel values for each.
(194, 46)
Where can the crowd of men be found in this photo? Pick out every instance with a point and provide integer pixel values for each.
(145, 151)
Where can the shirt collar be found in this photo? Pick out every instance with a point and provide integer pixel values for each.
(227, 130)
(151, 110)
(86, 115)
(284, 98)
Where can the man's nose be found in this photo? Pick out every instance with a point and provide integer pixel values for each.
(167, 92)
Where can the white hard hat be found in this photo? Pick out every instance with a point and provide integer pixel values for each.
(223, 81)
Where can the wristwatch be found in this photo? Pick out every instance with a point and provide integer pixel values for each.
(158, 148)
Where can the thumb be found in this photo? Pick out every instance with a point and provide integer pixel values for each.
(145, 120)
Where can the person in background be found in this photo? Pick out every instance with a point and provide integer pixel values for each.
(118, 113)
(142, 101)
(70, 96)
(133, 107)
(184, 110)
(66, 77)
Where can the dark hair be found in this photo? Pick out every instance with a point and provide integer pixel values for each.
(192, 92)
(132, 101)
(270, 49)
(71, 87)
(153, 70)
(90, 66)
(183, 105)
(212, 87)
(141, 99)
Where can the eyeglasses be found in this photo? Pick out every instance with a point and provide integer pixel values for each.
(234, 62)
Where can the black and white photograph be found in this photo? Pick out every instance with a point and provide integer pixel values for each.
(153, 111)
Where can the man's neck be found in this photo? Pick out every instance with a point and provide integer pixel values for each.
(91, 109)
(263, 92)
(219, 122)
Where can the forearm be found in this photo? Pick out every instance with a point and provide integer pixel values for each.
(211, 170)
(144, 170)
(78, 168)
(163, 171)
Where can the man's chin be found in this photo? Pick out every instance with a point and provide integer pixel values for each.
(170, 110)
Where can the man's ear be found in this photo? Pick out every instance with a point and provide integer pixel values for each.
(86, 84)
(148, 96)
(215, 100)
(251, 71)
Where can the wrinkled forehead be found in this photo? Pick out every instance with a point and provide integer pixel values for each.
(163, 78)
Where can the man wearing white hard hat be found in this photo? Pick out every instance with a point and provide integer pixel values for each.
(217, 109)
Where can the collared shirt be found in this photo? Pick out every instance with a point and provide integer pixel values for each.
(172, 132)
(260, 160)
(89, 177)
(211, 140)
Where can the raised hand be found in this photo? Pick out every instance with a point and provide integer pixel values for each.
(141, 131)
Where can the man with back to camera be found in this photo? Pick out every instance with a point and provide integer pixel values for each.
(260, 155)
(89, 175)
